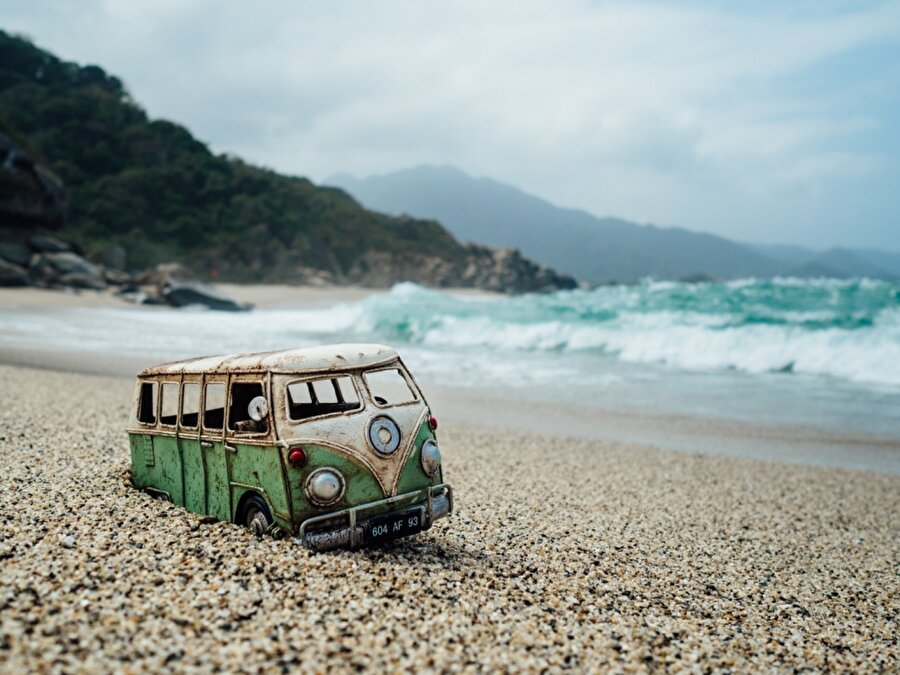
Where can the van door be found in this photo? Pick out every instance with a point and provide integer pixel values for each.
(165, 443)
(212, 444)
(191, 452)
(256, 464)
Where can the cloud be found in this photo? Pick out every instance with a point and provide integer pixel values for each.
(702, 115)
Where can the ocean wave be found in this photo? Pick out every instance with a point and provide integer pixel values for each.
(844, 329)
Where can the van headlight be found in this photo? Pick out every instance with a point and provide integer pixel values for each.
(325, 486)
(431, 457)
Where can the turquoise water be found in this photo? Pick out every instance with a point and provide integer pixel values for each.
(821, 353)
(844, 329)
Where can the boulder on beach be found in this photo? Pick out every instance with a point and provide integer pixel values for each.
(184, 293)
(17, 254)
(44, 243)
(13, 275)
(64, 269)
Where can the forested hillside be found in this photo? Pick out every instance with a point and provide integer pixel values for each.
(151, 187)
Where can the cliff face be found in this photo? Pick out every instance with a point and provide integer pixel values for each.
(150, 191)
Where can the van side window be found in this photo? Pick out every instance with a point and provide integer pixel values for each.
(190, 405)
(321, 397)
(147, 409)
(389, 387)
(169, 414)
(238, 416)
(214, 409)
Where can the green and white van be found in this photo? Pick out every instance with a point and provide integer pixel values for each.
(334, 444)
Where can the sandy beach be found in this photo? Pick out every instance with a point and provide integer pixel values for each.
(562, 553)
(258, 295)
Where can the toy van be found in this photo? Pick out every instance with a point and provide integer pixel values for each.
(333, 444)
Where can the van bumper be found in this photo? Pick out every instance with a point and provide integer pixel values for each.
(347, 528)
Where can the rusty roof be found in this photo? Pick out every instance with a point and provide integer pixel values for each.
(319, 358)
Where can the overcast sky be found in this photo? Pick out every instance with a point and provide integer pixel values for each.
(745, 119)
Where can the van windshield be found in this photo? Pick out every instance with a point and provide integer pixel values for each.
(389, 387)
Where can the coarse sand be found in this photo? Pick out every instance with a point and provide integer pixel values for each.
(561, 553)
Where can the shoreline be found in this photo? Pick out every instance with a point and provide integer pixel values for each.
(684, 433)
(261, 296)
(489, 407)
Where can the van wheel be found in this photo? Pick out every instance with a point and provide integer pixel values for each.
(256, 515)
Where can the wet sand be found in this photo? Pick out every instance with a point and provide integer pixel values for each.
(577, 553)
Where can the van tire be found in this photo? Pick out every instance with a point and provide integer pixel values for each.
(255, 515)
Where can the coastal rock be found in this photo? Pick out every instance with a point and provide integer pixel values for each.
(169, 284)
(16, 253)
(497, 270)
(87, 281)
(116, 278)
(162, 275)
(67, 268)
(506, 270)
(382, 269)
(44, 243)
(182, 294)
(13, 275)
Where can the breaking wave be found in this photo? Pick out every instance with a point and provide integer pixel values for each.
(844, 329)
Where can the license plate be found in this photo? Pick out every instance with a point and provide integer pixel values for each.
(394, 525)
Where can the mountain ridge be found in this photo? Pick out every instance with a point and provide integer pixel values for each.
(596, 249)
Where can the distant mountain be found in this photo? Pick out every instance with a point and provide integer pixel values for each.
(841, 263)
(789, 256)
(884, 259)
(591, 248)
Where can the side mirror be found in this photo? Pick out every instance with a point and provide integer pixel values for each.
(258, 408)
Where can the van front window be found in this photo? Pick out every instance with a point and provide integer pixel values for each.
(389, 387)
(324, 396)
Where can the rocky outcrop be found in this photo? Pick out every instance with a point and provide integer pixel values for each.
(48, 262)
(507, 270)
(65, 268)
(172, 284)
(500, 270)
(185, 293)
(13, 275)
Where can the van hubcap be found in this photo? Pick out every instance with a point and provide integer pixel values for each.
(257, 521)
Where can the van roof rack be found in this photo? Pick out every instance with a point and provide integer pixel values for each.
(304, 359)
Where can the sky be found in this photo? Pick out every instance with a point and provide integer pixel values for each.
(761, 121)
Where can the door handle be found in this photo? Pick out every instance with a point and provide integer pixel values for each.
(206, 444)
(231, 449)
